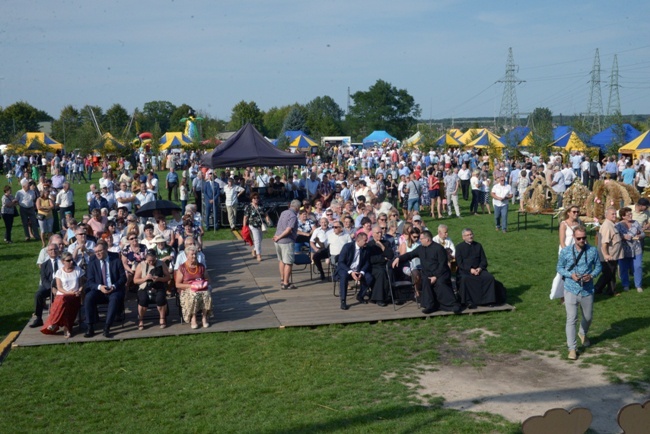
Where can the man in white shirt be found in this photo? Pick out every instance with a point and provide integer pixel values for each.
(501, 195)
(557, 184)
(65, 202)
(124, 198)
(26, 202)
(319, 245)
(233, 191)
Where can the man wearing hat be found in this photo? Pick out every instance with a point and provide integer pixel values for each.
(97, 202)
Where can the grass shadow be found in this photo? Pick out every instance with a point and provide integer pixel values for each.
(622, 328)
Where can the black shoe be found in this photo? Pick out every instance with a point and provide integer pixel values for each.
(107, 333)
(344, 306)
(428, 311)
(89, 333)
(471, 306)
(38, 322)
(361, 300)
(381, 304)
(322, 277)
(457, 309)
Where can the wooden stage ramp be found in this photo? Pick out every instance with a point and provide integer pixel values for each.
(247, 296)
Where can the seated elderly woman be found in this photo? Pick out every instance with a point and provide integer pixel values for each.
(67, 302)
(152, 277)
(192, 282)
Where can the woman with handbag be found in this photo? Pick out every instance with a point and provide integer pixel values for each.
(257, 220)
(152, 276)
(193, 285)
(45, 205)
(565, 231)
(9, 203)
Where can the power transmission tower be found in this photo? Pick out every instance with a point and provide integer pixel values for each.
(614, 101)
(595, 106)
(509, 106)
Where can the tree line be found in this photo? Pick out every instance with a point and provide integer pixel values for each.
(381, 107)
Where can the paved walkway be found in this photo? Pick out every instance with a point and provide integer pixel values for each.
(247, 296)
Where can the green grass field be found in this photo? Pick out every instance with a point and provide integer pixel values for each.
(354, 378)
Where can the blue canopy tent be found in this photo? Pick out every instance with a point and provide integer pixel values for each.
(612, 135)
(515, 136)
(561, 131)
(377, 137)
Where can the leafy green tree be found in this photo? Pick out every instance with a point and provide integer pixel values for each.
(274, 119)
(383, 107)
(67, 124)
(20, 116)
(324, 117)
(175, 123)
(116, 120)
(244, 112)
(429, 135)
(295, 120)
(157, 112)
(542, 130)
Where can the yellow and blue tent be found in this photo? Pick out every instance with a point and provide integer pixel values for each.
(455, 132)
(448, 140)
(109, 144)
(486, 139)
(174, 140)
(638, 146)
(302, 142)
(570, 142)
(35, 141)
(470, 135)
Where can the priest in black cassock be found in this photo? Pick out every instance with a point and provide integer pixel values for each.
(476, 285)
(436, 276)
(380, 252)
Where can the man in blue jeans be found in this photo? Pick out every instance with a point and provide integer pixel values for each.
(501, 195)
(579, 266)
(414, 190)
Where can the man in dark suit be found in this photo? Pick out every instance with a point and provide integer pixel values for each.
(477, 286)
(48, 270)
(436, 276)
(105, 284)
(354, 264)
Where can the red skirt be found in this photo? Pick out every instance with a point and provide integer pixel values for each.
(63, 312)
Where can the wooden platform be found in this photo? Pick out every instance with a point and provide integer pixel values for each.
(247, 296)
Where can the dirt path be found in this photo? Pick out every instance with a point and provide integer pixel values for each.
(529, 384)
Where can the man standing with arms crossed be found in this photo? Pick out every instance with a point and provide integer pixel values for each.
(579, 265)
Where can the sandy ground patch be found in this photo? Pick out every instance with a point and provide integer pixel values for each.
(529, 384)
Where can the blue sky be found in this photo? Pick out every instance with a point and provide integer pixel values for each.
(448, 54)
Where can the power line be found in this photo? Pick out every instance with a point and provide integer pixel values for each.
(595, 105)
(614, 101)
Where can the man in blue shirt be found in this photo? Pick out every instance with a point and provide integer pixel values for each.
(628, 174)
(211, 191)
(172, 184)
(579, 265)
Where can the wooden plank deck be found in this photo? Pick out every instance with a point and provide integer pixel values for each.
(247, 296)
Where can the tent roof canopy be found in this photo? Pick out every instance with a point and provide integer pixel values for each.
(640, 145)
(31, 141)
(377, 136)
(302, 142)
(516, 136)
(246, 148)
(487, 138)
(174, 140)
(570, 142)
(448, 140)
(611, 135)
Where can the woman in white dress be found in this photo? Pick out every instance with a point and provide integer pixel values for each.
(565, 231)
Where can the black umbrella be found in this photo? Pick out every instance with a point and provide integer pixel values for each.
(164, 206)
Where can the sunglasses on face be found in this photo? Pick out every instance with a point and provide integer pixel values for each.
(580, 238)
(67, 260)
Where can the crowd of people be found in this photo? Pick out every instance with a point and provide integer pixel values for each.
(357, 212)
